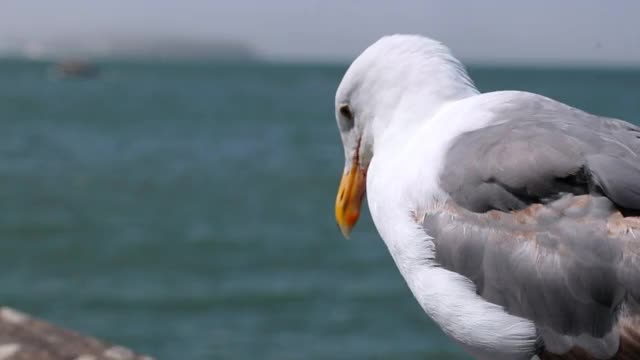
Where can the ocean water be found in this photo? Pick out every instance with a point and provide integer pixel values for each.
(186, 210)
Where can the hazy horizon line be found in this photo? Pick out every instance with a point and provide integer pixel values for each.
(318, 61)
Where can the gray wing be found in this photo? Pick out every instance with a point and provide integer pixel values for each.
(540, 217)
(538, 149)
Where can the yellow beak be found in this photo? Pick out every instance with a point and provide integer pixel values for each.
(349, 198)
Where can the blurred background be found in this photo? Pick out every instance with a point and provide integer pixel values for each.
(168, 168)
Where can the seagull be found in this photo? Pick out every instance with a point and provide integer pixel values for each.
(513, 218)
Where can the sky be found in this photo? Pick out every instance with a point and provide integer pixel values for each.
(488, 31)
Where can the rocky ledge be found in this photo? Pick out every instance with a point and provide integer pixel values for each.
(23, 337)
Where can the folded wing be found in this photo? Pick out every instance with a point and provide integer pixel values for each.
(541, 218)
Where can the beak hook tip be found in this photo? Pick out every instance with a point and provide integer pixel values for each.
(345, 232)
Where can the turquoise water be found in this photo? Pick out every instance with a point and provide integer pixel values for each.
(186, 210)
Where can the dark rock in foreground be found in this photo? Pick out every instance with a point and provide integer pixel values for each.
(25, 338)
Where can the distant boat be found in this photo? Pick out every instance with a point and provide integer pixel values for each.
(76, 69)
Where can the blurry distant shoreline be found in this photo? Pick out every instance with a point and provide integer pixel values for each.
(261, 62)
(175, 49)
(108, 49)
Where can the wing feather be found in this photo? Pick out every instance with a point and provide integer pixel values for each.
(538, 217)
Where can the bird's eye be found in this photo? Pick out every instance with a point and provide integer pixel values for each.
(345, 111)
(346, 117)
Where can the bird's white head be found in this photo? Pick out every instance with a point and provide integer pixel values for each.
(396, 76)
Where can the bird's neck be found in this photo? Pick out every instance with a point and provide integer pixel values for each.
(402, 187)
(413, 109)
(410, 134)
